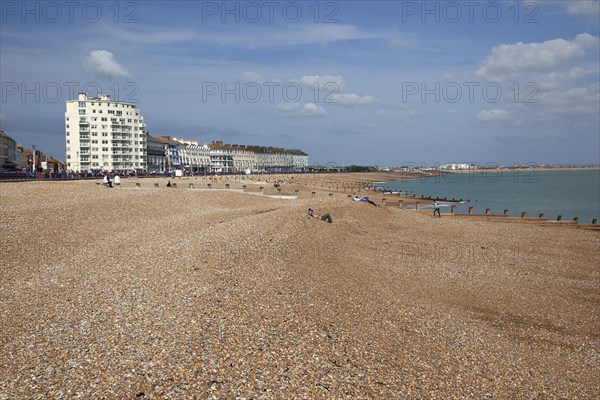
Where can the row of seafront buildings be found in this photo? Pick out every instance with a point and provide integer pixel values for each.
(103, 134)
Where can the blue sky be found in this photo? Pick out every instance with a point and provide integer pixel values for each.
(349, 82)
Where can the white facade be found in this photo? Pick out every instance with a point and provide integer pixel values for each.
(10, 157)
(104, 135)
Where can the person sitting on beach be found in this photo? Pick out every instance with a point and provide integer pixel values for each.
(355, 197)
(367, 200)
(436, 209)
(117, 180)
(169, 184)
(324, 217)
(107, 181)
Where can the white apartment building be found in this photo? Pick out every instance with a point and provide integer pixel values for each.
(194, 157)
(103, 134)
(10, 157)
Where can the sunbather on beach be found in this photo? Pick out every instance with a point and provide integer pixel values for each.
(367, 200)
(356, 198)
(324, 217)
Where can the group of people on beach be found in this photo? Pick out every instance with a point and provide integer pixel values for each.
(326, 217)
(107, 182)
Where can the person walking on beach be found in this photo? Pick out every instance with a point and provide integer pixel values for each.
(436, 209)
(324, 217)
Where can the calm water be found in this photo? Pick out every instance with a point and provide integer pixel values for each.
(568, 193)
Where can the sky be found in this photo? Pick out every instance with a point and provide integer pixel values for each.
(385, 83)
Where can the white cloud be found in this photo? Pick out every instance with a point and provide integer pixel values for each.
(588, 7)
(350, 100)
(578, 73)
(102, 63)
(301, 110)
(396, 111)
(320, 80)
(245, 35)
(493, 115)
(254, 77)
(508, 60)
(573, 102)
(398, 42)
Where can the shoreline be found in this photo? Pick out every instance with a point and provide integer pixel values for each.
(321, 183)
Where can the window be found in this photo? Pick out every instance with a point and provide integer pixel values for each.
(111, 111)
(82, 112)
(105, 134)
(105, 149)
(67, 133)
(82, 104)
(104, 119)
(105, 142)
(94, 141)
(94, 133)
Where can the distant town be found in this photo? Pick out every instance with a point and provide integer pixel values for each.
(106, 136)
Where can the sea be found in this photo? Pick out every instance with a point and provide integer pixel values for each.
(568, 193)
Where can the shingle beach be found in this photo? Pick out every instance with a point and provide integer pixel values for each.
(146, 293)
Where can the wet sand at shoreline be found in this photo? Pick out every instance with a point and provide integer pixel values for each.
(157, 293)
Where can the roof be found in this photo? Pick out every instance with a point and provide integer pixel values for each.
(165, 139)
(4, 135)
